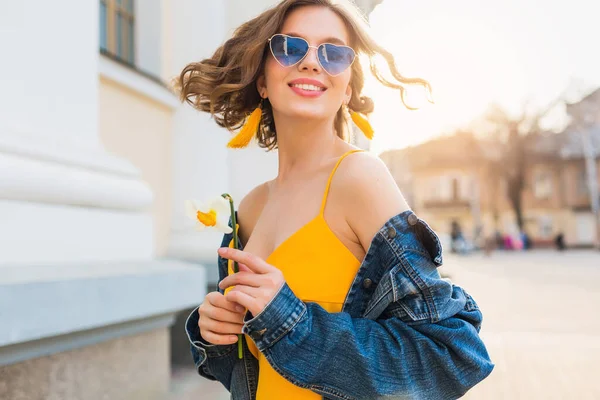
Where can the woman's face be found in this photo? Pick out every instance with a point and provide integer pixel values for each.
(317, 25)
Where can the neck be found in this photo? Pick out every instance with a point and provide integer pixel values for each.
(304, 144)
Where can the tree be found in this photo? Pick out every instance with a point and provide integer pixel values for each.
(515, 140)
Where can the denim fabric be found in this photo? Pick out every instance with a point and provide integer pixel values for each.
(403, 333)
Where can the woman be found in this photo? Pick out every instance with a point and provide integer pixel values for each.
(338, 293)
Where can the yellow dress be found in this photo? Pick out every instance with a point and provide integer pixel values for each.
(318, 268)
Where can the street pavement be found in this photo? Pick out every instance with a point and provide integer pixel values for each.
(540, 323)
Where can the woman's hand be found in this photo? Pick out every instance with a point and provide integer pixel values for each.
(256, 283)
(220, 319)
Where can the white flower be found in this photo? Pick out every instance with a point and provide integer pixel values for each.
(213, 214)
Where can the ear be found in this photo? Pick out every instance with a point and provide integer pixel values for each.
(261, 86)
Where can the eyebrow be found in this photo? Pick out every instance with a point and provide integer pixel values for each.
(331, 39)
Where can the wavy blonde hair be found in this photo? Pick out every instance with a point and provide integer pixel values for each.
(225, 84)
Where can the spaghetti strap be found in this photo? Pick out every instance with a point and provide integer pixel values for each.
(324, 201)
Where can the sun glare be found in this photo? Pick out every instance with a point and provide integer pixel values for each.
(467, 63)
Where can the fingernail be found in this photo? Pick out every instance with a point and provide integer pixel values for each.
(239, 308)
(234, 338)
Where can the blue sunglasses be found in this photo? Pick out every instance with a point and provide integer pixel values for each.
(290, 50)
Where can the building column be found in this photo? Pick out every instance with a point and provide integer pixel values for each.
(62, 197)
(76, 262)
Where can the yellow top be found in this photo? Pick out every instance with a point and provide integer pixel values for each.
(318, 268)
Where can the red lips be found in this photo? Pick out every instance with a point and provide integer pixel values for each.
(304, 92)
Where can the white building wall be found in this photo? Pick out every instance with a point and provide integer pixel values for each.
(52, 167)
(47, 85)
(76, 248)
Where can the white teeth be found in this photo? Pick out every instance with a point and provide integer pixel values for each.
(304, 86)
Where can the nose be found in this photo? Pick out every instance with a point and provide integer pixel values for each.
(310, 61)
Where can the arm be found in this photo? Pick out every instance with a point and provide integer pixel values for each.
(343, 357)
(213, 362)
(424, 344)
(216, 362)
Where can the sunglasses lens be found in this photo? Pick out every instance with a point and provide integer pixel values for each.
(335, 59)
(288, 50)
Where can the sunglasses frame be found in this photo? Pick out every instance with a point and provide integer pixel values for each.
(310, 47)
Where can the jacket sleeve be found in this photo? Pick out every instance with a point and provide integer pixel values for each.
(424, 344)
(214, 362)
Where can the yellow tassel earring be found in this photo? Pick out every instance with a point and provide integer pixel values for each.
(248, 131)
(363, 124)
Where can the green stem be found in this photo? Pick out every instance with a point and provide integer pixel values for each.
(235, 264)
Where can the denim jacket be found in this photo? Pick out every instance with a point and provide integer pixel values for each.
(403, 332)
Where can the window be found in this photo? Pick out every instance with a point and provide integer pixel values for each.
(446, 185)
(582, 184)
(445, 188)
(455, 189)
(117, 29)
(542, 185)
(545, 226)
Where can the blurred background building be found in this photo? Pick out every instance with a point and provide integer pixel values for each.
(461, 178)
(98, 265)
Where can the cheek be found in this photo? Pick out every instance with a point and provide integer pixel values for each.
(340, 84)
(274, 73)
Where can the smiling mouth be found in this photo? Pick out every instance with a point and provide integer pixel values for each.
(310, 88)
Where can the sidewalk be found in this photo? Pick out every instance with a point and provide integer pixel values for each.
(540, 322)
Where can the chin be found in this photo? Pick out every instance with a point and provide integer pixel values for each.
(308, 114)
(308, 111)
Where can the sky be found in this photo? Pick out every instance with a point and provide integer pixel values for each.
(475, 53)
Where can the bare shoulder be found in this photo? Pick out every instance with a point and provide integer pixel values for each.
(250, 208)
(371, 195)
(365, 176)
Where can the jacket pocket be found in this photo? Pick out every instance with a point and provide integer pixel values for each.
(409, 301)
(400, 310)
(414, 292)
(398, 295)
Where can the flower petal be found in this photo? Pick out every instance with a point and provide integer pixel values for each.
(190, 209)
(223, 227)
(200, 227)
(223, 220)
(220, 205)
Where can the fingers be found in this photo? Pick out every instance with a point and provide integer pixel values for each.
(221, 328)
(251, 303)
(218, 300)
(219, 332)
(244, 268)
(242, 278)
(254, 263)
(214, 338)
(249, 290)
(217, 323)
(221, 314)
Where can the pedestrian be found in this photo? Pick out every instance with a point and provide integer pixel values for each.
(559, 241)
(318, 321)
(508, 242)
(526, 240)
